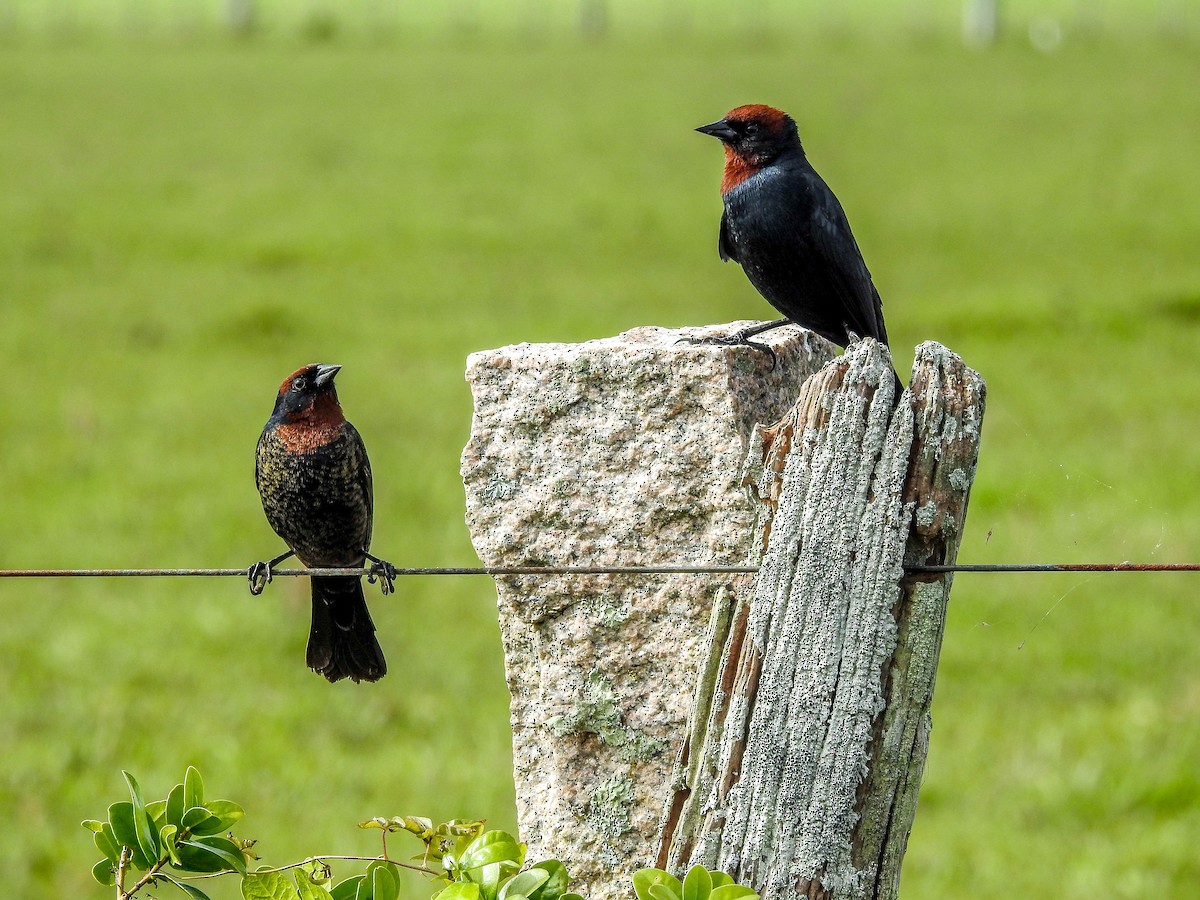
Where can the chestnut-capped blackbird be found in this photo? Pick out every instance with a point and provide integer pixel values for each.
(315, 481)
(788, 232)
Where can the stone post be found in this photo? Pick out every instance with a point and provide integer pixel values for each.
(613, 452)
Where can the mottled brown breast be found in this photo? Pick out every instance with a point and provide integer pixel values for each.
(304, 437)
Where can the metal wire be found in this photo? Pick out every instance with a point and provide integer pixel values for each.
(1059, 567)
(589, 570)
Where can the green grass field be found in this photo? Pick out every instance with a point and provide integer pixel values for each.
(180, 227)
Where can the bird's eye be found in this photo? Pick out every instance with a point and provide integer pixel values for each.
(751, 129)
(298, 384)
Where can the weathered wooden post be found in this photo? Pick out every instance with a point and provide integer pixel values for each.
(810, 734)
(798, 772)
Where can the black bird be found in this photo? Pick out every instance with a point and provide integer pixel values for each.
(315, 481)
(788, 232)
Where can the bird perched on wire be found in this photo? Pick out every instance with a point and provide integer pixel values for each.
(315, 481)
(788, 232)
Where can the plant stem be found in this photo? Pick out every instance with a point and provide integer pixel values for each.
(121, 864)
(147, 878)
(305, 862)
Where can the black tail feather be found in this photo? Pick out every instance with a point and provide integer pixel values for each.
(342, 641)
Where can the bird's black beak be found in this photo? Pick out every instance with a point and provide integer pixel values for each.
(325, 375)
(720, 130)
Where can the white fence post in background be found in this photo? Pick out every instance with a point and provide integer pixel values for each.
(980, 22)
(240, 16)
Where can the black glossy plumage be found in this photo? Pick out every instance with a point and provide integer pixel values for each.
(314, 478)
(789, 233)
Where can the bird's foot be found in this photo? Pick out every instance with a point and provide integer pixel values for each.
(260, 575)
(384, 571)
(737, 339)
(742, 338)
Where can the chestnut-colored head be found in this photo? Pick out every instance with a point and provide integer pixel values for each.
(308, 396)
(754, 136)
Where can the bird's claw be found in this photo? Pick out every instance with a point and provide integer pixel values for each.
(733, 340)
(766, 348)
(259, 575)
(385, 572)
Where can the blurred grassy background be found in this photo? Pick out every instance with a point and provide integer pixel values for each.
(182, 223)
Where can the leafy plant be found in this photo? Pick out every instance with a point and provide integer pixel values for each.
(478, 864)
(177, 840)
(699, 884)
(180, 833)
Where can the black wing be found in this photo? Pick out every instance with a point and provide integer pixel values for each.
(848, 277)
(725, 246)
(365, 481)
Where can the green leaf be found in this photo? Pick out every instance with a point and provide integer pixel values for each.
(460, 890)
(460, 833)
(211, 854)
(348, 889)
(135, 790)
(732, 892)
(191, 890)
(196, 857)
(571, 896)
(175, 806)
(193, 788)
(644, 879)
(719, 878)
(555, 885)
(384, 885)
(267, 886)
(112, 838)
(488, 878)
(157, 811)
(103, 873)
(106, 843)
(697, 884)
(196, 817)
(524, 883)
(418, 825)
(120, 816)
(663, 892)
(146, 837)
(492, 847)
(379, 822)
(167, 838)
(227, 849)
(225, 814)
(92, 824)
(309, 889)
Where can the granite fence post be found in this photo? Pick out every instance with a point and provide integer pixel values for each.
(618, 451)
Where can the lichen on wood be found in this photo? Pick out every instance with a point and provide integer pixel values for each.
(818, 715)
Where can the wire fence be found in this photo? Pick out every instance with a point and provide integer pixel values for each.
(494, 571)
